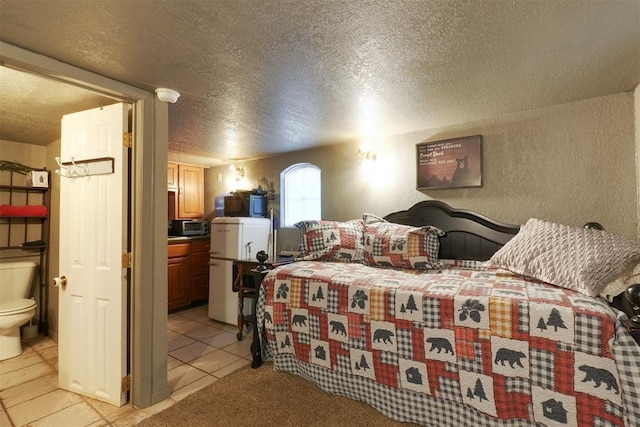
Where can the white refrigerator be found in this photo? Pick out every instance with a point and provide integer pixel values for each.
(232, 238)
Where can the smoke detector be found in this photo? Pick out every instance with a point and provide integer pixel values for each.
(167, 95)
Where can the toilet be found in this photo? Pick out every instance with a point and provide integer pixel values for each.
(16, 308)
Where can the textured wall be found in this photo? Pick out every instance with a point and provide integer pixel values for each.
(571, 163)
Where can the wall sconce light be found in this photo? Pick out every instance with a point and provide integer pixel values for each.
(366, 156)
(239, 173)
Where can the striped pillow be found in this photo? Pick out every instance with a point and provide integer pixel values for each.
(582, 259)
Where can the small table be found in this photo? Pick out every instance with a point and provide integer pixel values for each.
(248, 276)
(245, 283)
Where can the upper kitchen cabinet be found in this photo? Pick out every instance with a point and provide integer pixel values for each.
(186, 182)
(172, 176)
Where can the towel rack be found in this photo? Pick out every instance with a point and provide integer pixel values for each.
(81, 168)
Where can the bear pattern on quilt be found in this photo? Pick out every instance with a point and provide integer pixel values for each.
(508, 347)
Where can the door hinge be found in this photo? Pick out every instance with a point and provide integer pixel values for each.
(127, 260)
(126, 383)
(127, 140)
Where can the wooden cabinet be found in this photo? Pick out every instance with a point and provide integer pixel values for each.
(179, 275)
(172, 176)
(190, 191)
(187, 182)
(200, 269)
(188, 272)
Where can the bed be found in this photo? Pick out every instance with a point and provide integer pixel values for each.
(406, 314)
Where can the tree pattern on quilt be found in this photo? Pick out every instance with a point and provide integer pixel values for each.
(469, 336)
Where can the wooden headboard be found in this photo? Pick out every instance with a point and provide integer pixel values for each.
(469, 235)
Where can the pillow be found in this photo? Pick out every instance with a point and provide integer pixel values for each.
(581, 259)
(621, 283)
(331, 240)
(401, 246)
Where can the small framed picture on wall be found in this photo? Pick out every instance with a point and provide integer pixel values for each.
(450, 163)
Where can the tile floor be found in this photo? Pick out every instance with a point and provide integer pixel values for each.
(200, 351)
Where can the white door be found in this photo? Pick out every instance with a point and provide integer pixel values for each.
(92, 351)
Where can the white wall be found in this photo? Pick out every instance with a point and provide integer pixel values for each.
(26, 154)
(637, 126)
(571, 164)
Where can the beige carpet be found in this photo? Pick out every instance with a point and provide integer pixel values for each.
(262, 397)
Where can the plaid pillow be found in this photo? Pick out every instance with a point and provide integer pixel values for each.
(584, 260)
(331, 240)
(387, 244)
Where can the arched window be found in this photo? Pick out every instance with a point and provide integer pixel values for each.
(300, 189)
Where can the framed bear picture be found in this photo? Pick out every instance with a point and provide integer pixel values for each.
(450, 163)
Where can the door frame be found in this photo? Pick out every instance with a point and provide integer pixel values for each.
(148, 320)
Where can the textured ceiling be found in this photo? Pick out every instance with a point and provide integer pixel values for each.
(263, 77)
(31, 106)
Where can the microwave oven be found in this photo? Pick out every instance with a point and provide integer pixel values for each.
(188, 227)
(245, 204)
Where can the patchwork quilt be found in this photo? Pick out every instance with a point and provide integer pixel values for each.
(452, 345)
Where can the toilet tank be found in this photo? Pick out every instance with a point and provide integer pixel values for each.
(16, 279)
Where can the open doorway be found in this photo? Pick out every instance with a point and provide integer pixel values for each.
(32, 115)
(148, 314)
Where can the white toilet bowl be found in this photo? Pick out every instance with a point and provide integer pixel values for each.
(16, 309)
(14, 314)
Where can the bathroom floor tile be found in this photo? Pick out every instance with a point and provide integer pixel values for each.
(42, 406)
(4, 418)
(29, 390)
(99, 423)
(108, 411)
(28, 357)
(40, 342)
(53, 362)
(49, 352)
(79, 414)
(25, 374)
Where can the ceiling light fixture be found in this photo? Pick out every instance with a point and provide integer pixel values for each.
(167, 95)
